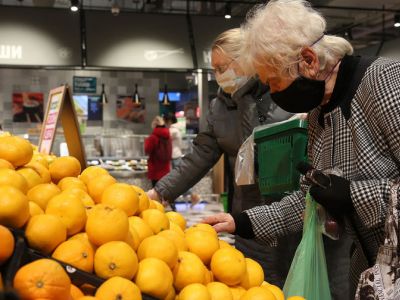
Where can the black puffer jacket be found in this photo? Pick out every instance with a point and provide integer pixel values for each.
(230, 121)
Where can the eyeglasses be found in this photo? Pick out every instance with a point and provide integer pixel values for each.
(222, 68)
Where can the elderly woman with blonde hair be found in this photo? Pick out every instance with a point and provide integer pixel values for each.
(241, 104)
(354, 126)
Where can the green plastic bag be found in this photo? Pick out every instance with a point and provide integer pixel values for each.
(308, 275)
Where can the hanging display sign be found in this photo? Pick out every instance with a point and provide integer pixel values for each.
(84, 85)
(60, 105)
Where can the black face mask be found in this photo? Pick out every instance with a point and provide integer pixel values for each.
(303, 95)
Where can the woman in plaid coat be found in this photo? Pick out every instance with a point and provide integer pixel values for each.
(354, 126)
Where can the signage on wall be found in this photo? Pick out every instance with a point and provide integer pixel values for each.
(84, 85)
(60, 105)
(10, 51)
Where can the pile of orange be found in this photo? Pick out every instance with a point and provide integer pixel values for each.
(90, 221)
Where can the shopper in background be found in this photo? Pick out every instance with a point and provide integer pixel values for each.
(242, 103)
(158, 147)
(176, 136)
(354, 127)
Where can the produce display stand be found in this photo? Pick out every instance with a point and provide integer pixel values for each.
(23, 255)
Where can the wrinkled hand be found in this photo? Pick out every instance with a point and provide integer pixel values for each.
(221, 222)
(152, 194)
(336, 198)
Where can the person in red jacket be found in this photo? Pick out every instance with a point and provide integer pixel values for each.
(158, 146)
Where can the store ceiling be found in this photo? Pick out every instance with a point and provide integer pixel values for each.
(364, 22)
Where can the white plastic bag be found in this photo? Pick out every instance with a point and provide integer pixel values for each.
(244, 166)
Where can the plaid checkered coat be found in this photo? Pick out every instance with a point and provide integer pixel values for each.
(359, 134)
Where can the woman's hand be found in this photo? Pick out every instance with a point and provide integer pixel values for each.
(152, 194)
(221, 222)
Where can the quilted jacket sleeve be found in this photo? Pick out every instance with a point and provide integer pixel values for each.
(279, 218)
(385, 91)
(194, 166)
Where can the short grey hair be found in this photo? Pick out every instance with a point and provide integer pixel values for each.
(229, 42)
(275, 33)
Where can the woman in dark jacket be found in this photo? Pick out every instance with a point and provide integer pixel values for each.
(158, 147)
(242, 103)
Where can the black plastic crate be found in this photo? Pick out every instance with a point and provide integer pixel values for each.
(23, 255)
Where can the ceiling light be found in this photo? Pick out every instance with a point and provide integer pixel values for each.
(397, 20)
(228, 11)
(165, 99)
(74, 5)
(136, 97)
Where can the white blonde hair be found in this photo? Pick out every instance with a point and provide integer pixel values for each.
(229, 42)
(275, 34)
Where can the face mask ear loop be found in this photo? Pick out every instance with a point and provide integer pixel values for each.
(333, 69)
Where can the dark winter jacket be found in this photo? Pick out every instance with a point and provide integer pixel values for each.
(157, 167)
(230, 121)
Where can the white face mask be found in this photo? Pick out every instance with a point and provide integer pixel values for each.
(230, 82)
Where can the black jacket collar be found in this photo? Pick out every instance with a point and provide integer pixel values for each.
(351, 71)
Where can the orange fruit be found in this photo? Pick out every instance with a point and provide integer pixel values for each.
(115, 259)
(97, 185)
(274, 290)
(132, 239)
(258, 293)
(175, 238)
(31, 176)
(254, 275)
(15, 150)
(195, 291)
(154, 277)
(81, 194)
(45, 232)
(42, 193)
(13, 178)
(157, 205)
(228, 266)
(88, 298)
(237, 292)
(171, 294)
(223, 244)
(174, 227)
(70, 210)
(142, 229)
(157, 220)
(202, 227)
(188, 270)
(158, 247)
(4, 164)
(208, 276)
(144, 200)
(66, 166)
(35, 209)
(76, 293)
(219, 290)
(14, 207)
(40, 158)
(177, 218)
(92, 172)
(41, 170)
(43, 279)
(296, 298)
(7, 244)
(196, 239)
(105, 224)
(83, 237)
(121, 195)
(70, 183)
(118, 288)
(75, 253)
